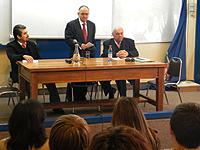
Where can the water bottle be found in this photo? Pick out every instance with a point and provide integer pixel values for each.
(110, 53)
(76, 55)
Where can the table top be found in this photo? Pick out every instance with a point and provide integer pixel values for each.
(86, 63)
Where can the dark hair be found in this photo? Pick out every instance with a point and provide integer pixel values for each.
(126, 112)
(69, 132)
(82, 7)
(185, 124)
(119, 138)
(17, 30)
(26, 126)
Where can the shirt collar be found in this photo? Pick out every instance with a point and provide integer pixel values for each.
(19, 43)
(81, 22)
(117, 43)
(23, 45)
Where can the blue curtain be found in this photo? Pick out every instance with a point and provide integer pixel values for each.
(197, 46)
(178, 45)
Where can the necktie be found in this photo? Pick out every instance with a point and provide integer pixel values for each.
(84, 33)
(118, 44)
(24, 45)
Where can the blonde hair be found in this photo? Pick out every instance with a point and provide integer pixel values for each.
(126, 112)
(69, 132)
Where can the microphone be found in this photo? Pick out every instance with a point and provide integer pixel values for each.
(76, 42)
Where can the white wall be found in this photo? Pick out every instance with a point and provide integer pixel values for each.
(143, 20)
(48, 18)
(147, 20)
(5, 25)
(5, 20)
(155, 51)
(138, 23)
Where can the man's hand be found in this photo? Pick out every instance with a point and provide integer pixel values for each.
(122, 54)
(89, 45)
(28, 58)
(85, 46)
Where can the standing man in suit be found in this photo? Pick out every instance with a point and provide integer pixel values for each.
(82, 31)
(121, 47)
(22, 49)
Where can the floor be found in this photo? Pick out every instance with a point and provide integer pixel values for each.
(162, 125)
(5, 109)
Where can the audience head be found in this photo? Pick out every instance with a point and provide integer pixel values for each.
(26, 126)
(83, 13)
(118, 34)
(185, 125)
(119, 138)
(20, 33)
(69, 132)
(126, 112)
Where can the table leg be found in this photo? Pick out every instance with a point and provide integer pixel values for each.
(160, 90)
(34, 90)
(136, 88)
(22, 87)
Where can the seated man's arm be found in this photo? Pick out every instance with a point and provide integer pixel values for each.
(133, 52)
(12, 55)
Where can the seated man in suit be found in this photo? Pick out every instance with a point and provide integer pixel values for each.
(121, 47)
(81, 31)
(22, 49)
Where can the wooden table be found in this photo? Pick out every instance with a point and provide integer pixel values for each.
(92, 69)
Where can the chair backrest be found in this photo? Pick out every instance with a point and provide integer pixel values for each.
(174, 69)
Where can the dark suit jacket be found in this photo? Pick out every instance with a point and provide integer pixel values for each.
(15, 53)
(126, 44)
(73, 31)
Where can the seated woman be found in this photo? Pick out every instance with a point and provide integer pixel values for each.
(119, 138)
(25, 127)
(126, 112)
(69, 132)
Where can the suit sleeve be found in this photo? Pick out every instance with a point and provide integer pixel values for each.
(93, 49)
(105, 49)
(69, 34)
(94, 34)
(12, 55)
(133, 51)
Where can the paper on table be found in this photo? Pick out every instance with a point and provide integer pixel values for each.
(142, 59)
(34, 61)
(117, 58)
